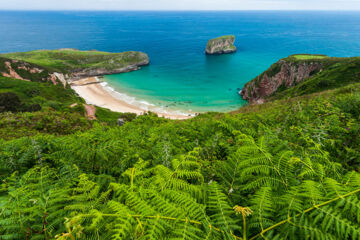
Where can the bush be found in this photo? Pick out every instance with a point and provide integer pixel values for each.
(9, 102)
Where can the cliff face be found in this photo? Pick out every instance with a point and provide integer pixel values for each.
(281, 75)
(221, 45)
(112, 68)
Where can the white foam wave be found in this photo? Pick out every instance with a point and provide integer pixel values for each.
(144, 105)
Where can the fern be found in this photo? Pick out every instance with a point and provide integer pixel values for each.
(220, 210)
(315, 213)
(271, 172)
(254, 166)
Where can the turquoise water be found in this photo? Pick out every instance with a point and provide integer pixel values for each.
(180, 75)
(204, 83)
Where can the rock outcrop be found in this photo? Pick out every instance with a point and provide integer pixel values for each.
(282, 75)
(120, 122)
(95, 72)
(221, 45)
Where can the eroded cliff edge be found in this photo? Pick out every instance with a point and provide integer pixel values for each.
(221, 45)
(301, 74)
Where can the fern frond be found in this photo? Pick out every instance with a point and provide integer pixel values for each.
(219, 209)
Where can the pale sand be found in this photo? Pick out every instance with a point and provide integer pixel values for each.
(94, 93)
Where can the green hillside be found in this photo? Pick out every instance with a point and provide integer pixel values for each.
(286, 169)
(70, 60)
(337, 72)
(302, 74)
(28, 108)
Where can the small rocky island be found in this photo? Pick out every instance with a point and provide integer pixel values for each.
(221, 45)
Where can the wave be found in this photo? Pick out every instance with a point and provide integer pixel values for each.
(142, 104)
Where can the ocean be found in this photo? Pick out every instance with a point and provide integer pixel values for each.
(180, 76)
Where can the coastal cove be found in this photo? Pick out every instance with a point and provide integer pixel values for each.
(96, 92)
(180, 77)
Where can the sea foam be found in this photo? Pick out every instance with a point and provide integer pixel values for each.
(142, 104)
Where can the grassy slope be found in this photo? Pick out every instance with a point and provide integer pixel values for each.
(337, 72)
(308, 57)
(68, 60)
(39, 92)
(330, 118)
(56, 115)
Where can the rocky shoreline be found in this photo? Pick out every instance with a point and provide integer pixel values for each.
(86, 73)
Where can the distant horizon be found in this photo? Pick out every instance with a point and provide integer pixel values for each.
(181, 5)
(182, 10)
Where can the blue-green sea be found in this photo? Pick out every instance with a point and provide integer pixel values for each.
(180, 76)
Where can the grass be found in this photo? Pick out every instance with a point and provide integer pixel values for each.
(308, 57)
(110, 118)
(68, 60)
(24, 124)
(226, 37)
(55, 117)
(41, 93)
(279, 103)
(212, 42)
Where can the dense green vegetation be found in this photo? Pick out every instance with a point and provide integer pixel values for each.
(287, 169)
(41, 93)
(70, 60)
(32, 107)
(28, 108)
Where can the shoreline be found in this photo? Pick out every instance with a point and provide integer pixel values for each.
(95, 92)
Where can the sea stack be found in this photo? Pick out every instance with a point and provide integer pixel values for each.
(221, 45)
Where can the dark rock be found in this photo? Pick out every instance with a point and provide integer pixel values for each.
(120, 122)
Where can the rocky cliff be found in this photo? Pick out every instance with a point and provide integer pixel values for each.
(221, 45)
(113, 68)
(282, 75)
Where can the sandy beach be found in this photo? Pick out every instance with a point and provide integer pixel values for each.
(94, 93)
